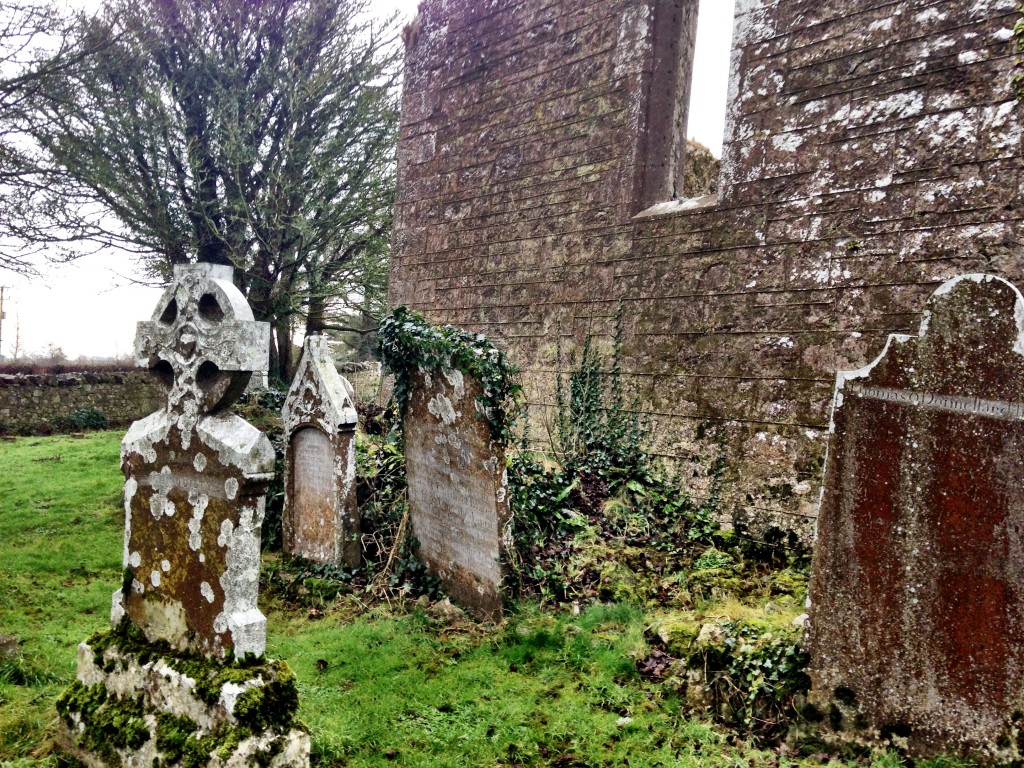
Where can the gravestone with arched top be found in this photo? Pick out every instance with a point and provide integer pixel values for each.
(320, 520)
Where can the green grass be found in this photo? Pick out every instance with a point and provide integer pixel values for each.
(61, 529)
(391, 686)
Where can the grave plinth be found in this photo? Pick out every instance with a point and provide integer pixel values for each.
(458, 488)
(321, 519)
(916, 630)
(186, 650)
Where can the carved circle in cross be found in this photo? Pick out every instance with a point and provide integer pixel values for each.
(202, 343)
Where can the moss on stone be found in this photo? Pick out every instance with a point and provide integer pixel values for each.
(273, 703)
(128, 639)
(180, 744)
(172, 736)
(679, 634)
(108, 722)
(788, 582)
(618, 583)
(280, 697)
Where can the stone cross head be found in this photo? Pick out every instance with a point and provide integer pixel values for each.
(202, 343)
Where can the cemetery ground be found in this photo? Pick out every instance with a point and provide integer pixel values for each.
(589, 668)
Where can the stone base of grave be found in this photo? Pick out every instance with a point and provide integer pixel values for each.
(843, 725)
(136, 708)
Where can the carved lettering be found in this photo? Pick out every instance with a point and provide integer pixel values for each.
(976, 406)
(165, 482)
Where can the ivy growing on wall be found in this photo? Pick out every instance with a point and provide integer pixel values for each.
(407, 343)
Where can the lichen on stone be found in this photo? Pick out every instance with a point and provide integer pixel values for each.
(181, 709)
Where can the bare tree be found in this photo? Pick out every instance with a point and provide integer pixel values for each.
(258, 133)
(16, 344)
(34, 46)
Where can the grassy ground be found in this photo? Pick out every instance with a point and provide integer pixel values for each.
(380, 685)
(60, 551)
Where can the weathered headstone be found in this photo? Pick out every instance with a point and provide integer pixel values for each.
(196, 478)
(321, 519)
(916, 627)
(458, 494)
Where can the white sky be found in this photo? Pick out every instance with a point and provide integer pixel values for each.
(90, 307)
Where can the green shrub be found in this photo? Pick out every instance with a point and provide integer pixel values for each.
(80, 420)
(755, 674)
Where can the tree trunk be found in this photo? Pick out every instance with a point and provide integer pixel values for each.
(284, 351)
(316, 316)
(271, 370)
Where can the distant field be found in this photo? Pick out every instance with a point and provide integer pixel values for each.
(380, 685)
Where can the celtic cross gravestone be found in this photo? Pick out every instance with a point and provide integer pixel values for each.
(196, 476)
(182, 672)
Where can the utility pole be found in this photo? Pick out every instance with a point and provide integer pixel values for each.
(2, 316)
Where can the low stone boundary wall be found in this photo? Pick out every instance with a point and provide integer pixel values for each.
(38, 403)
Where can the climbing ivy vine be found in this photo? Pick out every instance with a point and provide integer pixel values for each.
(408, 343)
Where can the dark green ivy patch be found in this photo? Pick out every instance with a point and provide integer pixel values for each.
(407, 342)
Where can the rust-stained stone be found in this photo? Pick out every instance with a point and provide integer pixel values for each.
(196, 476)
(458, 489)
(917, 593)
(321, 519)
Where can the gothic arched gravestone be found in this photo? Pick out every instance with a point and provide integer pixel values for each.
(320, 520)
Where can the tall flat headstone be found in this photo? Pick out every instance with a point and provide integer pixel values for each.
(196, 478)
(458, 491)
(321, 519)
(916, 627)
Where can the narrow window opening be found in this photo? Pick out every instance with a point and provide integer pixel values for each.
(687, 100)
(708, 97)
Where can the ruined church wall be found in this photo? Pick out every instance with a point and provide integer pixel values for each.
(873, 151)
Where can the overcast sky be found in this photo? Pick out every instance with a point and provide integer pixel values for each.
(90, 307)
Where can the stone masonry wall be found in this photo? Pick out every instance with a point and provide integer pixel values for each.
(32, 403)
(873, 150)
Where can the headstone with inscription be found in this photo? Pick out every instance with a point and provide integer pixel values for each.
(321, 519)
(916, 629)
(458, 488)
(196, 478)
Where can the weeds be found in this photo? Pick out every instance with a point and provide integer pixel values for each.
(754, 677)
(25, 673)
(599, 520)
